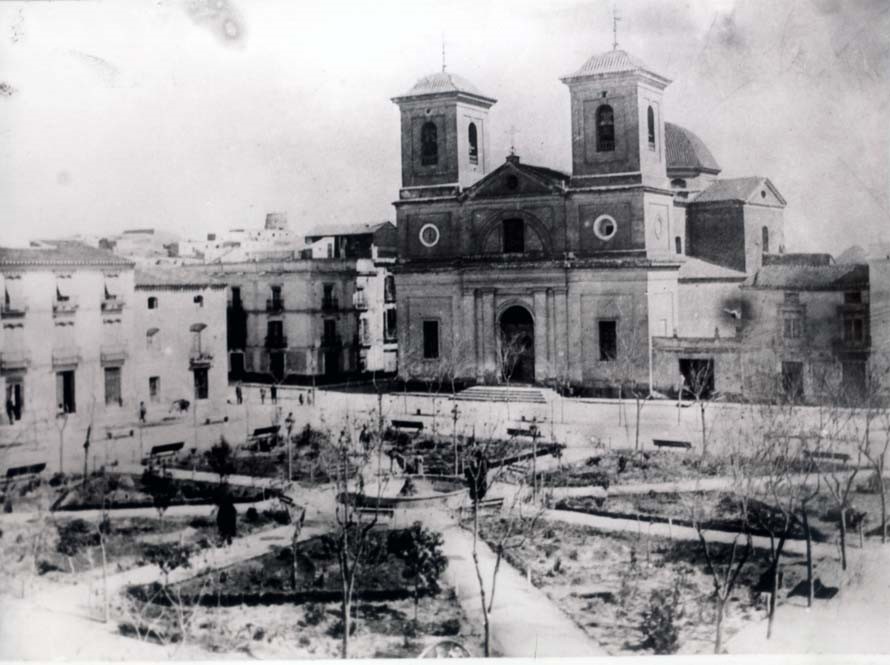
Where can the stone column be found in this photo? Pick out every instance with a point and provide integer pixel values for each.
(561, 339)
(542, 359)
(489, 340)
(469, 347)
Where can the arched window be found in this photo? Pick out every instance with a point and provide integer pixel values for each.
(473, 138)
(389, 289)
(678, 244)
(650, 123)
(605, 129)
(764, 240)
(429, 144)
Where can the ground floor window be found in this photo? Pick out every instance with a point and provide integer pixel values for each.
(154, 388)
(113, 386)
(201, 383)
(236, 365)
(608, 340)
(430, 339)
(65, 391)
(792, 379)
(15, 399)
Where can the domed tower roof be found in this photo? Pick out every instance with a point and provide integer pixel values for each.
(687, 153)
(612, 62)
(444, 83)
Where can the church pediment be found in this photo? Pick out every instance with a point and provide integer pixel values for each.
(515, 179)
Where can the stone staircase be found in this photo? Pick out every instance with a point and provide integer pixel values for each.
(507, 394)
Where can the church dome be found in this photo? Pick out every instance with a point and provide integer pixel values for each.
(444, 83)
(611, 62)
(686, 152)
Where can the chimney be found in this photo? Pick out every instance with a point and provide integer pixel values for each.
(276, 221)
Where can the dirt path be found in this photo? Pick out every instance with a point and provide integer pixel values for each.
(525, 623)
(660, 530)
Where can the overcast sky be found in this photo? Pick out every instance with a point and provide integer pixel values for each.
(202, 115)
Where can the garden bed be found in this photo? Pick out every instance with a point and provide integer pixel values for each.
(112, 491)
(605, 582)
(253, 607)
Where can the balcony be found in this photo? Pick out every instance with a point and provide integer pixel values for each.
(13, 310)
(64, 306)
(14, 360)
(330, 304)
(852, 344)
(331, 340)
(276, 341)
(113, 354)
(274, 305)
(199, 359)
(67, 355)
(360, 300)
(112, 304)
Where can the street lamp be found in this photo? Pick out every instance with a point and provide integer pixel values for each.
(289, 424)
(455, 412)
(533, 430)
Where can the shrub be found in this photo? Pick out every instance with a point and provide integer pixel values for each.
(7, 505)
(573, 555)
(314, 614)
(252, 516)
(200, 522)
(168, 556)
(278, 515)
(57, 479)
(660, 618)
(447, 628)
(44, 567)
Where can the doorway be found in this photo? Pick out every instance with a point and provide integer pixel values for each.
(516, 345)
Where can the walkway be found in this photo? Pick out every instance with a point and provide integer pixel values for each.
(661, 530)
(524, 622)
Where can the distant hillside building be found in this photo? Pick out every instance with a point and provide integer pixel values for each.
(275, 241)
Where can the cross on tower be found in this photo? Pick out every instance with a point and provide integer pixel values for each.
(443, 52)
(513, 132)
(615, 19)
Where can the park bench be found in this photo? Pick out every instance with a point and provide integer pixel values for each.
(414, 425)
(163, 451)
(521, 431)
(24, 472)
(375, 510)
(840, 457)
(671, 443)
(263, 438)
(485, 504)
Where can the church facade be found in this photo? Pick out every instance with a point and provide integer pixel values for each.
(519, 272)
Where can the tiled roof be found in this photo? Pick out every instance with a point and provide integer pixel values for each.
(694, 269)
(65, 253)
(610, 62)
(686, 151)
(811, 278)
(444, 83)
(176, 276)
(736, 189)
(326, 230)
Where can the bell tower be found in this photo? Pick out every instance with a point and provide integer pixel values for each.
(617, 123)
(444, 133)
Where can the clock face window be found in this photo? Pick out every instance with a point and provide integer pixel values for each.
(429, 235)
(659, 227)
(605, 227)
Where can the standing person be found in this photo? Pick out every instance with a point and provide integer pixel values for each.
(262, 395)
(10, 410)
(301, 399)
(273, 393)
(239, 396)
(142, 412)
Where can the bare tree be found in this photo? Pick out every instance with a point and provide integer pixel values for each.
(623, 369)
(354, 521)
(517, 525)
(874, 443)
(699, 384)
(511, 349)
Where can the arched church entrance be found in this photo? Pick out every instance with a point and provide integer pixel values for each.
(517, 345)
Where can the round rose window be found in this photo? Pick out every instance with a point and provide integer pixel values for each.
(605, 227)
(429, 235)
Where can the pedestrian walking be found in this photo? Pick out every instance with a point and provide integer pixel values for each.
(10, 410)
(142, 412)
(239, 396)
(301, 399)
(273, 393)
(262, 395)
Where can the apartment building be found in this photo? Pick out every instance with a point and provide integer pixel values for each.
(180, 339)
